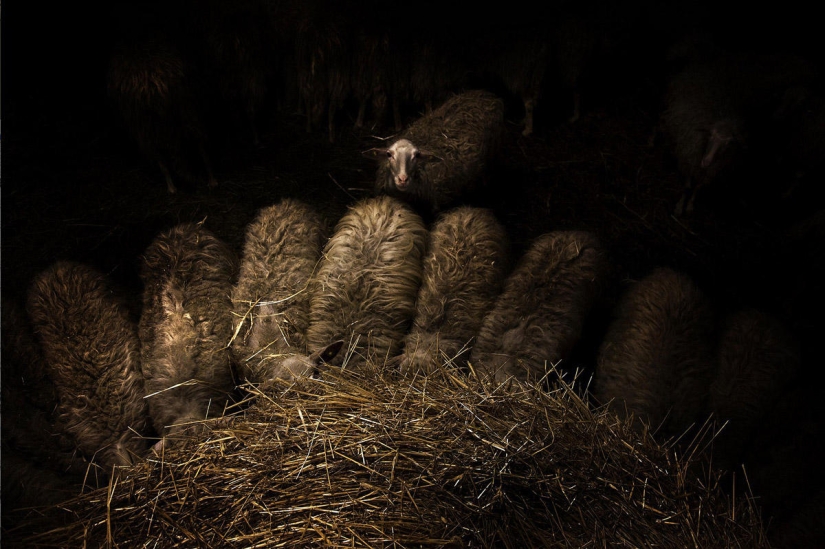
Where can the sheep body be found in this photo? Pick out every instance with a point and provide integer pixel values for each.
(90, 345)
(186, 326)
(713, 108)
(463, 273)
(271, 298)
(31, 432)
(656, 359)
(365, 289)
(540, 314)
(757, 357)
(153, 90)
(442, 154)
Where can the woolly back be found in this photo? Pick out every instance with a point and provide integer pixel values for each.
(365, 289)
(90, 345)
(463, 273)
(271, 299)
(656, 359)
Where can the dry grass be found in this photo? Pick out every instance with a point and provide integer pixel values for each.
(368, 460)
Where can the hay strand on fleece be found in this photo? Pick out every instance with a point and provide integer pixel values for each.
(360, 459)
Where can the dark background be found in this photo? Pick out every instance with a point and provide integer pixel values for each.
(74, 185)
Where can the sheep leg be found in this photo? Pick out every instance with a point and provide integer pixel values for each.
(210, 177)
(331, 121)
(577, 102)
(170, 185)
(529, 105)
(362, 110)
(685, 203)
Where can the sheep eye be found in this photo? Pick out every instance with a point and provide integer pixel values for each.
(389, 154)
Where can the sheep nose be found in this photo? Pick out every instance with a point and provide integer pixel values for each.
(402, 178)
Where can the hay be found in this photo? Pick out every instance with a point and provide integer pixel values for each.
(360, 459)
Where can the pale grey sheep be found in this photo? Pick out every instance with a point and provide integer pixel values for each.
(656, 361)
(539, 316)
(271, 299)
(365, 289)
(91, 349)
(444, 154)
(463, 273)
(186, 326)
(757, 358)
(713, 108)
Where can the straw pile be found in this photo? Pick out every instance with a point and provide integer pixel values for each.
(362, 459)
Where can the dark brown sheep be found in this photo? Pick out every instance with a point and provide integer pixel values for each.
(155, 93)
(186, 326)
(757, 359)
(656, 361)
(91, 349)
(442, 155)
(539, 316)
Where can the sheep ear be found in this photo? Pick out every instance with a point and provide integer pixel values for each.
(375, 154)
(325, 354)
(427, 156)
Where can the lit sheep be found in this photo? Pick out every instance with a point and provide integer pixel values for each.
(186, 326)
(365, 289)
(463, 273)
(91, 349)
(539, 316)
(271, 298)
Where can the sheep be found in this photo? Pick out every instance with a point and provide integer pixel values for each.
(153, 90)
(90, 345)
(443, 154)
(239, 51)
(757, 357)
(539, 316)
(520, 58)
(271, 298)
(370, 73)
(321, 53)
(712, 110)
(463, 273)
(185, 327)
(656, 360)
(31, 433)
(365, 289)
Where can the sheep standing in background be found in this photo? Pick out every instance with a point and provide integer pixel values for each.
(239, 50)
(435, 67)
(757, 357)
(656, 361)
(462, 275)
(443, 154)
(370, 74)
(321, 58)
(154, 91)
(540, 314)
(271, 298)
(365, 289)
(520, 57)
(186, 326)
(91, 348)
(713, 109)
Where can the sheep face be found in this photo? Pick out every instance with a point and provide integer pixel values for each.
(403, 160)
